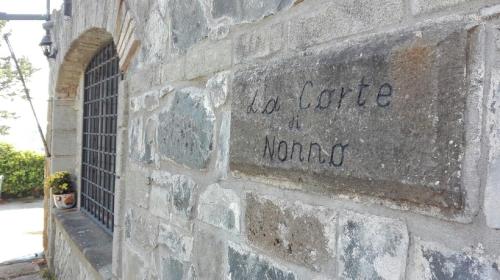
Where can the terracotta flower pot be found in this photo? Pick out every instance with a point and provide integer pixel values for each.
(64, 201)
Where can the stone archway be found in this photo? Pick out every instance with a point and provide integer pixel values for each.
(112, 22)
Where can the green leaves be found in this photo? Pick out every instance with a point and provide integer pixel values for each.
(60, 183)
(22, 171)
(10, 84)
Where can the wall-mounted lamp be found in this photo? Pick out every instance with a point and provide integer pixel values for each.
(46, 44)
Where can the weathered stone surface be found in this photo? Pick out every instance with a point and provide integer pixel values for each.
(211, 267)
(247, 265)
(185, 132)
(207, 58)
(65, 265)
(188, 23)
(241, 10)
(217, 88)
(492, 188)
(383, 118)
(260, 42)
(220, 207)
(425, 6)
(150, 147)
(295, 232)
(179, 244)
(183, 195)
(141, 230)
(172, 269)
(371, 247)
(137, 147)
(133, 265)
(138, 189)
(222, 161)
(433, 261)
(348, 17)
(160, 201)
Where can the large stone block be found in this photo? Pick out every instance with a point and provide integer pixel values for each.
(185, 132)
(247, 265)
(434, 261)
(295, 232)
(188, 23)
(261, 42)
(241, 10)
(141, 230)
(178, 243)
(209, 252)
(348, 17)
(207, 58)
(383, 118)
(426, 6)
(184, 196)
(133, 264)
(138, 189)
(172, 269)
(371, 247)
(220, 207)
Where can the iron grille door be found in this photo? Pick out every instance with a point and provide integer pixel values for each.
(99, 137)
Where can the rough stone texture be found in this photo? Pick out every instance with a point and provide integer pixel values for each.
(361, 119)
(208, 58)
(212, 267)
(217, 88)
(66, 264)
(138, 187)
(433, 261)
(241, 10)
(177, 242)
(184, 193)
(220, 207)
(141, 230)
(222, 162)
(197, 68)
(188, 23)
(172, 269)
(371, 247)
(246, 265)
(133, 265)
(426, 6)
(260, 42)
(492, 188)
(185, 133)
(348, 17)
(161, 197)
(295, 232)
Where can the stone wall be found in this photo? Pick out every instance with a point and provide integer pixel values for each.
(293, 139)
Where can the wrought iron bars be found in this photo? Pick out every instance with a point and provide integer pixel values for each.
(99, 137)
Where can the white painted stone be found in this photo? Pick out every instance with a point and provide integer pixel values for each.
(220, 207)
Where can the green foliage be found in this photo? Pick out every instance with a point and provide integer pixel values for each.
(23, 171)
(10, 84)
(47, 275)
(60, 183)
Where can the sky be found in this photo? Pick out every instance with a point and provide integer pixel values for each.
(26, 35)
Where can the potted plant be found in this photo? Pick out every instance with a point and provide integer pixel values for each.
(62, 190)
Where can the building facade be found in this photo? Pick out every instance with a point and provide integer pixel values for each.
(277, 139)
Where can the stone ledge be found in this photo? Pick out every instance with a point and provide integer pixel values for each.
(93, 243)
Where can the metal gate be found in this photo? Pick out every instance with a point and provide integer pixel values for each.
(99, 137)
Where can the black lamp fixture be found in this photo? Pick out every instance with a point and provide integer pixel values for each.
(46, 44)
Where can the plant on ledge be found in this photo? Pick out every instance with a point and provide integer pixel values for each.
(62, 189)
